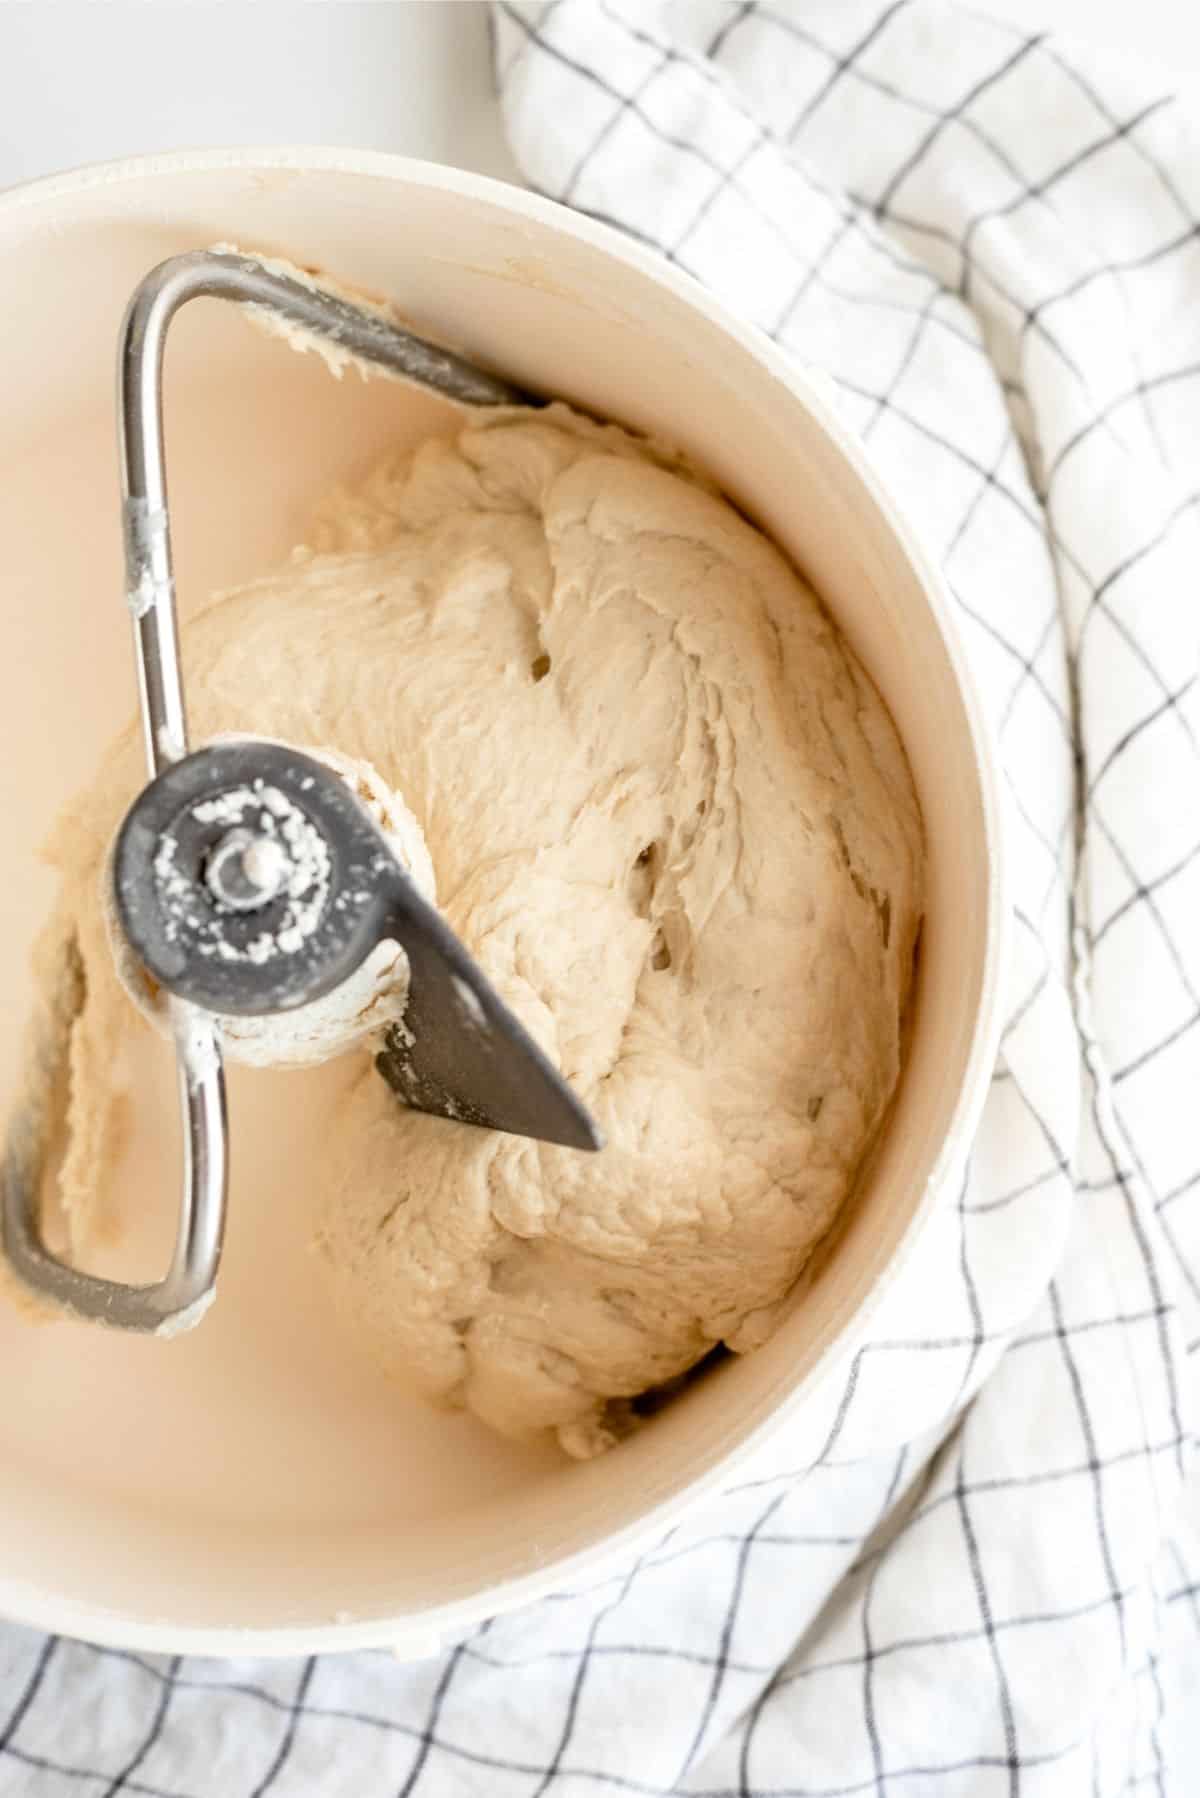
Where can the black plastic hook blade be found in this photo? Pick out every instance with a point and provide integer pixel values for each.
(184, 870)
(460, 1053)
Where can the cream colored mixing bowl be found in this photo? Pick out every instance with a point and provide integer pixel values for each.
(255, 1486)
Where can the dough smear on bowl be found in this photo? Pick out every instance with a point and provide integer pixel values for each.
(666, 810)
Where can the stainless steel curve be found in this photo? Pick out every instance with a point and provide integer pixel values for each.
(178, 1300)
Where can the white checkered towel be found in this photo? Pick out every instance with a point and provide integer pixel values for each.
(975, 1570)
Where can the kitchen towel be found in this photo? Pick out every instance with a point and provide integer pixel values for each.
(973, 1569)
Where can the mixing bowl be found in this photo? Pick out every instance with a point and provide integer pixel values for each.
(255, 1486)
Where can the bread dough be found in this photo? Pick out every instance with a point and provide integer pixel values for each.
(669, 815)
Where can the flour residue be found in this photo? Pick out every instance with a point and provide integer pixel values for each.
(277, 818)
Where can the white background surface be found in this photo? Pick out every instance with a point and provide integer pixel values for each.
(86, 80)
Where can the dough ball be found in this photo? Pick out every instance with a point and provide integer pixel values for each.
(669, 815)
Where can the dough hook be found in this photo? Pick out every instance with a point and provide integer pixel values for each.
(246, 876)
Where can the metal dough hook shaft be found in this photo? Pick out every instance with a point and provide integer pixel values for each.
(176, 1301)
(150, 581)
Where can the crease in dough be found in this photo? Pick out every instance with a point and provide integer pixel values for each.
(667, 812)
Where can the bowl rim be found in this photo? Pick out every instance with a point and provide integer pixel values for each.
(416, 1634)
